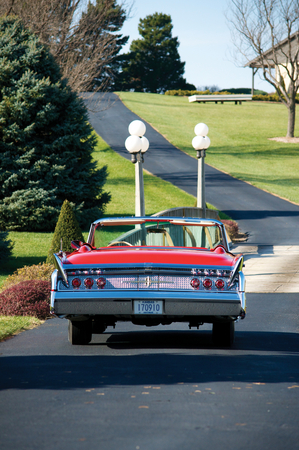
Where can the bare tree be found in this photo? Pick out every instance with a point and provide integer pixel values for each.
(76, 32)
(266, 35)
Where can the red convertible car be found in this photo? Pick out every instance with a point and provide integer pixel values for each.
(150, 271)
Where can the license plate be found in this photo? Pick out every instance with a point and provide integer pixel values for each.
(148, 307)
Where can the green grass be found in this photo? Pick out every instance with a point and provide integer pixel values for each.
(239, 137)
(14, 325)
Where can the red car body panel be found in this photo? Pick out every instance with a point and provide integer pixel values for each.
(136, 255)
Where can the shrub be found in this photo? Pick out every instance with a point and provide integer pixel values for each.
(35, 272)
(6, 246)
(67, 229)
(231, 227)
(270, 98)
(188, 93)
(28, 298)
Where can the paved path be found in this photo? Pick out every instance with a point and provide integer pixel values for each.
(272, 261)
(271, 268)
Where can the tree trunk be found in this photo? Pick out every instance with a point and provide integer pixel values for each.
(292, 116)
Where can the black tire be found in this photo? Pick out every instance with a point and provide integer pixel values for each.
(80, 332)
(224, 333)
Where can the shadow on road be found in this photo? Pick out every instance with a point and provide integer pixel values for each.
(251, 365)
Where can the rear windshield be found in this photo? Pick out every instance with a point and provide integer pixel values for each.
(158, 234)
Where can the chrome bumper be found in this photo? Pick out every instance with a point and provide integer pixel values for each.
(174, 303)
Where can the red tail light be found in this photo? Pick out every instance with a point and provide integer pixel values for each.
(101, 282)
(195, 283)
(207, 283)
(88, 283)
(220, 284)
(76, 283)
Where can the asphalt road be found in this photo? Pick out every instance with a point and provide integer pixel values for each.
(135, 388)
(269, 220)
(161, 388)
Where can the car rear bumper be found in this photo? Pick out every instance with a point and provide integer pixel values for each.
(175, 304)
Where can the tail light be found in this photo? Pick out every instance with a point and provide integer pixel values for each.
(195, 283)
(207, 283)
(101, 282)
(220, 284)
(76, 282)
(88, 283)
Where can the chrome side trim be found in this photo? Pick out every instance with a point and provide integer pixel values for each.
(236, 270)
(54, 280)
(54, 277)
(59, 267)
(241, 282)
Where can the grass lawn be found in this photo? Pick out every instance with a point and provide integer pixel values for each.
(14, 325)
(239, 137)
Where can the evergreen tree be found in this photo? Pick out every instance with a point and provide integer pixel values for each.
(6, 246)
(153, 63)
(114, 18)
(46, 142)
(67, 229)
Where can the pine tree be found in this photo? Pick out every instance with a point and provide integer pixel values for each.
(6, 246)
(153, 63)
(67, 229)
(46, 142)
(115, 16)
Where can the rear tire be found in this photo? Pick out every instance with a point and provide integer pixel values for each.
(224, 333)
(80, 332)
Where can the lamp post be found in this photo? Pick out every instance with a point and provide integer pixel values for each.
(200, 143)
(137, 144)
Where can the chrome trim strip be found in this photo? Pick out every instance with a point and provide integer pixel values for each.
(148, 295)
(241, 282)
(53, 289)
(237, 268)
(59, 266)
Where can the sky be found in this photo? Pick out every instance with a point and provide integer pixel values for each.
(205, 41)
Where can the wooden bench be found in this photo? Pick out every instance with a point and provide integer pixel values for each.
(221, 98)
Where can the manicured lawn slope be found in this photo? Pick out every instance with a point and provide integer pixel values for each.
(239, 137)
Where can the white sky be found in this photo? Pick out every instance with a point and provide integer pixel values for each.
(205, 41)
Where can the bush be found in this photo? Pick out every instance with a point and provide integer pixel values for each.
(244, 91)
(67, 229)
(28, 298)
(186, 93)
(232, 228)
(6, 246)
(270, 98)
(35, 272)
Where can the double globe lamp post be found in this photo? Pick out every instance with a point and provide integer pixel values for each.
(200, 143)
(137, 144)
